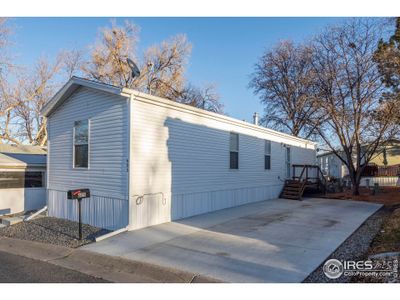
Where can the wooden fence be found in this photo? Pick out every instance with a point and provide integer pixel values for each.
(377, 171)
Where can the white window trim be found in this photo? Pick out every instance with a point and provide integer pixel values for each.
(73, 147)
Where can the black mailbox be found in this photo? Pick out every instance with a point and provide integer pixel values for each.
(78, 194)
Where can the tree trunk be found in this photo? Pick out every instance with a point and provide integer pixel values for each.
(355, 180)
(356, 189)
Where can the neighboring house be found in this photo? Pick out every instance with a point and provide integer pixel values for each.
(331, 165)
(22, 178)
(387, 156)
(389, 151)
(149, 160)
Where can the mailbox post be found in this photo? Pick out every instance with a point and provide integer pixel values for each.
(79, 195)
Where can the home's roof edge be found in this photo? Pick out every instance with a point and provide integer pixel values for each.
(72, 84)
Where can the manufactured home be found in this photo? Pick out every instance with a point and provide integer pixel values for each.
(331, 166)
(22, 178)
(149, 160)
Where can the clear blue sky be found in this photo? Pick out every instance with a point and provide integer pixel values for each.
(224, 49)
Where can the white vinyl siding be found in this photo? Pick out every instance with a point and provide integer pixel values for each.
(184, 157)
(107, 177)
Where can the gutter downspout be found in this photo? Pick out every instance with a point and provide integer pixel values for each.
(36, 213)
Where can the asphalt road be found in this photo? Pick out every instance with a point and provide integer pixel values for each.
(14, 268)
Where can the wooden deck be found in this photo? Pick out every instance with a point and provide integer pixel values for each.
(304, 178)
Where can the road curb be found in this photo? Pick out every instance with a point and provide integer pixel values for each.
(33, 250)
(110, 268)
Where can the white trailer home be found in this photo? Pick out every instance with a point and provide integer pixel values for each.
(148, 160)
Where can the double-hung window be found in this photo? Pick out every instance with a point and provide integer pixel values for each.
(81, 144)
(267, 155)
(234, 151)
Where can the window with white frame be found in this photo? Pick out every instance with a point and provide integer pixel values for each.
(234, 151)
(267, 155)
(81, 144)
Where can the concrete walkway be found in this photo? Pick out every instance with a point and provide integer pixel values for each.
(272, 241)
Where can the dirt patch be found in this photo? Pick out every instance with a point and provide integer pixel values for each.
(388, 239)
(388, 196)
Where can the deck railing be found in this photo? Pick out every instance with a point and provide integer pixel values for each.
(310, 174)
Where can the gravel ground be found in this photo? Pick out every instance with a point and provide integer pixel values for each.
(353, 248)
(53, 231)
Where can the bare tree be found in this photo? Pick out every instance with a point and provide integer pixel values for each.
(23, 98)
(388, 58)
(350, 90)
(73, 62)
(7, 107)
(109, 54)
(206, 98)
(284, 79)
(31, 93)
(162, 66)
(24, 91)
(7, 102)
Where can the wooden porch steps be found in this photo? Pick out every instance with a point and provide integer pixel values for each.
(310, 178)
(293, 189)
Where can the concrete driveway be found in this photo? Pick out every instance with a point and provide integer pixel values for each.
(271, 241)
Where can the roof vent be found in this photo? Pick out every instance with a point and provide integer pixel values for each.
(255, 118)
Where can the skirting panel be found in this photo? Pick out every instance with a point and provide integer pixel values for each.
(191, 204)
(99, 211)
